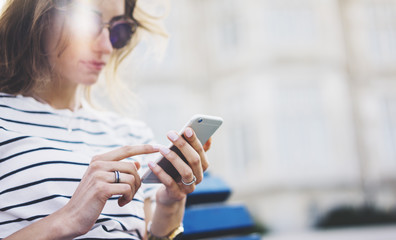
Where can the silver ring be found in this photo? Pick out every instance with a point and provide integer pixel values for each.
(190, 183)
(116, 176)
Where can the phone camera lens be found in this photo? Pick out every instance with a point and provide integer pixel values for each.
(200, 120)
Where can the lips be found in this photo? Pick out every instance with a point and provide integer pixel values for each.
(94, 65)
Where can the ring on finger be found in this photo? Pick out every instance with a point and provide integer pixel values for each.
(117, 176)
(189, 183)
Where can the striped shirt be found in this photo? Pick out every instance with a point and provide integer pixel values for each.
(44, 153)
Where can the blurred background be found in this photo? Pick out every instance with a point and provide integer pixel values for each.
(307, 90)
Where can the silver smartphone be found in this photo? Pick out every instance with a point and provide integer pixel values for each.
(204, 126)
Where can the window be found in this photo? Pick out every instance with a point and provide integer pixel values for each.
(390, 129)
(291, 23)
(227, 28)
(382, 32)
(302, 139)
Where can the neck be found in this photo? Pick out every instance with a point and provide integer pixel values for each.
(59, 96)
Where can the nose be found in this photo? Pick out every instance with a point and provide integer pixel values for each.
(102, 42)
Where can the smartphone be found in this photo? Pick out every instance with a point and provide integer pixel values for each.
(204, 126)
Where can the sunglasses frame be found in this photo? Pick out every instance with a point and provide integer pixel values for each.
(118, 20)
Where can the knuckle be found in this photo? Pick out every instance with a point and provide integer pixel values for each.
(195, 160)
(127, 149)
(95, 165)
(179, 196)
(96, 158)
(180, 143)
(187, 175)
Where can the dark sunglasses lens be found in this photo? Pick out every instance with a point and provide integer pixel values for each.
(120, 34)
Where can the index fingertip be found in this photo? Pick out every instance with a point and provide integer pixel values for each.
(156, 147)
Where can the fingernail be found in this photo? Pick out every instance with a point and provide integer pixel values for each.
(152, 164)
(165, 150)
(188, 132)
(173, 135)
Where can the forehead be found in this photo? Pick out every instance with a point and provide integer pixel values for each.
(108, 8)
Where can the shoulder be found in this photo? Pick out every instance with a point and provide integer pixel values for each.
(10, 101)
(21, 110)
(22, 104)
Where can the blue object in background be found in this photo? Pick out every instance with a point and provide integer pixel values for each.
(210, 190)
(216, 220)
(207, 216)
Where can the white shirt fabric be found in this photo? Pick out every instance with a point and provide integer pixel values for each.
(44, 153)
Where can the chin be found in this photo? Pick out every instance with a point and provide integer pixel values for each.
(90, 80)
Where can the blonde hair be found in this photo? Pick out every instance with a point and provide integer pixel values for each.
(117, 90)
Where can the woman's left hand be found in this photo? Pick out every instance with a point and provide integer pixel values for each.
(191, 173)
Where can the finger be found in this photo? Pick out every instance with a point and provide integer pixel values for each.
(133, 184)
(169, 182)
(191, 155)
(126, 169)
(125, 152)
(185, 171)
(129, 168)
(123, 189)
(110, 166)
(124, 179)
(118, 178)
(192, 139)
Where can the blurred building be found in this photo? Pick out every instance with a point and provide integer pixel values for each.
(307, 89)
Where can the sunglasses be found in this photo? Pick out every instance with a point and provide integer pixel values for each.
(121, 29)
(88, 21)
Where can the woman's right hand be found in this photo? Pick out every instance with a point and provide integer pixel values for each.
(98, 185)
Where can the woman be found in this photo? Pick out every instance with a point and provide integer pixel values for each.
(66, 170)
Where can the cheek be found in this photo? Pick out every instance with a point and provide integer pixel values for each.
(75, 51)
(65, 45)
(67, 64)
